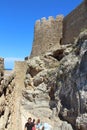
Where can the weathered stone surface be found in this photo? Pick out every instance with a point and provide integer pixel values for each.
(40, 77)
(47, 35)
(6, 102)
(35, 65)
(71, 85)
(73, 23)
(82, 36)
(81, 122)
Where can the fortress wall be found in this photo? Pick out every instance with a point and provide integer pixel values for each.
(74, 23)
(47, 35)
(49, 32)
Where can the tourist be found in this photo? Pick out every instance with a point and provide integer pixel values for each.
(29, 125)
(39, 125)
(34, 127)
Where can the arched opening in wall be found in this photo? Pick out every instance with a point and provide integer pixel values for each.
(58, 54)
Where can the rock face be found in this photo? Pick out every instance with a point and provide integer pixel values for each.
(72, 86)
(51, 87)
(7, 85)
(55, 89)
(39, 93)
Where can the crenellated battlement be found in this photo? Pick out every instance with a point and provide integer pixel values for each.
(49, 19)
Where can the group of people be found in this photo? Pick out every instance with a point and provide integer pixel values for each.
(32, 125)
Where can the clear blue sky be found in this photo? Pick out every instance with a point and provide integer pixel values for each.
(17, 19)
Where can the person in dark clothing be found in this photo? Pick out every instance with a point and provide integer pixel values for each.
(29, 124)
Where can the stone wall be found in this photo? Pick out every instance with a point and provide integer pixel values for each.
(47, 35)
(20, 72)
(74, 23)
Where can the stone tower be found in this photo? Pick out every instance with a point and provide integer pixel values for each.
(47, 35)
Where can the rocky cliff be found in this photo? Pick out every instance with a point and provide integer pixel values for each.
(51, 87)
(55, 86)
(7, 86)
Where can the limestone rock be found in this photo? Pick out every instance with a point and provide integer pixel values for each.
(35, 66)
(81, 122)
(71, 84)
(6, 100)
(28, 81)
(82, 36)
(40, 77)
